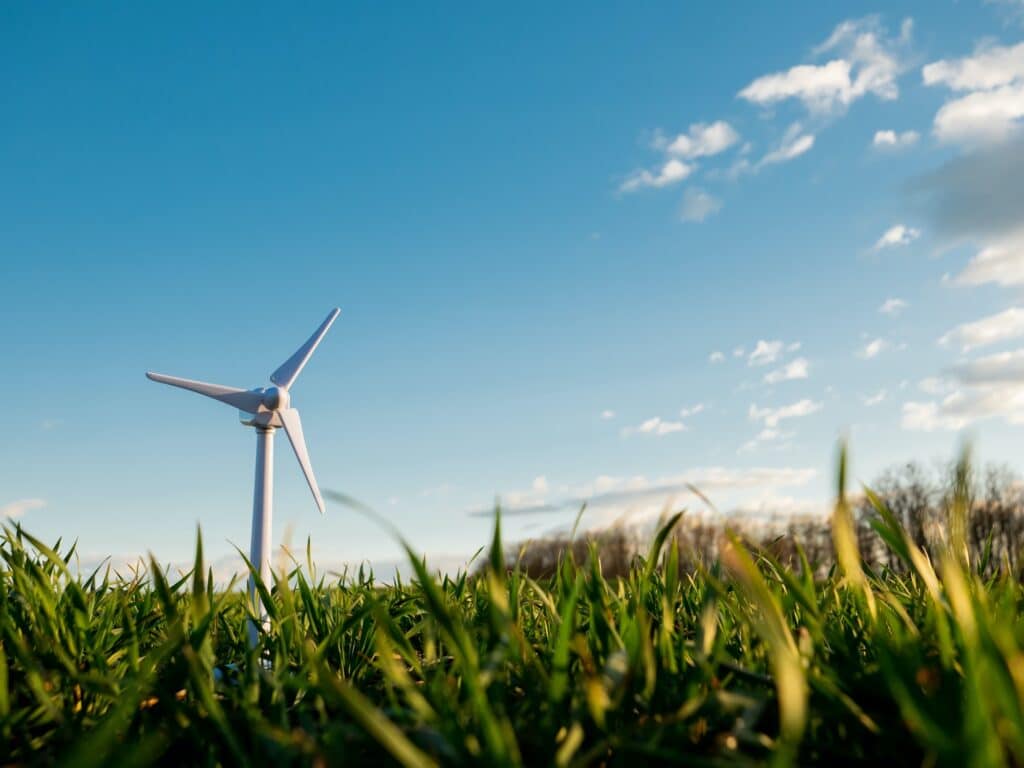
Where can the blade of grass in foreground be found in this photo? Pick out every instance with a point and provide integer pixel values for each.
(787, 669)
(386, 733)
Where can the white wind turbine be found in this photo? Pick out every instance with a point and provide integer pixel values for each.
(266, 409)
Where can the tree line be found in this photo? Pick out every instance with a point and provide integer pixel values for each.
(921, 498)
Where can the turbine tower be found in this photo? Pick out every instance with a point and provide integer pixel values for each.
(266, 409)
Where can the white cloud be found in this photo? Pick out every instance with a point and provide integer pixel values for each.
(875, 399)
(992, 80)
(671, 172)
(529, 500)
(607, 414)
(766, 435)
(873, 348)
(1001, 262)
(702, 140)
(997, 369)
(772, 506)
(965, 406)
(1008, 324)
(771, 417)
(765, 352)
(892, 306)
(928, 417)
(716, 357)
(990, 67)
(609, 497)
(892, 140)
(615, 490)
(698, 205)
(660, 427)
(982, 116)
(794, 143)
(656, 426)
(896, 236)
(867, 63)
(987, 387)
(716, 478)
(819, 87)
(18, 508)
(795, 369)
(739, 167)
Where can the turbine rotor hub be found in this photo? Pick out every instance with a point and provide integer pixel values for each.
(275, 398)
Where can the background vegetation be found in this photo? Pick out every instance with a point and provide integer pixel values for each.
(919, 497)
(894, 635)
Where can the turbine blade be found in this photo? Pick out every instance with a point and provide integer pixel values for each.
(290, 369)
(293, 428)
(242, 399)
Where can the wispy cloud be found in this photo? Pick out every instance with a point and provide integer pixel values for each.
(992, 370)
(795, 369)
(765, 352)
(701, 140)
(656, 426)
(872, 349)
(772, 417)
(609, 496)
(897, 235)
(875, 399)
(892, 306)
(891, 140)
(766, 435)
(867, 62)
(671, 172)
(794, 143)
(698, 205)
(19, 507)
(1002, 326)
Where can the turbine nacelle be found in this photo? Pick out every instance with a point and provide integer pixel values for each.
(272, 399)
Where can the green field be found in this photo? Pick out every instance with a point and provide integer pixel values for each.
(743, 661)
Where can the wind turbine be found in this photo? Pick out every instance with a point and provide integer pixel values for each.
(266, 409)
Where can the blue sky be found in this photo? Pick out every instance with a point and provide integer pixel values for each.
(580, 253)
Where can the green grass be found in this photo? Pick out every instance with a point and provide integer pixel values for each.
(744, 662)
